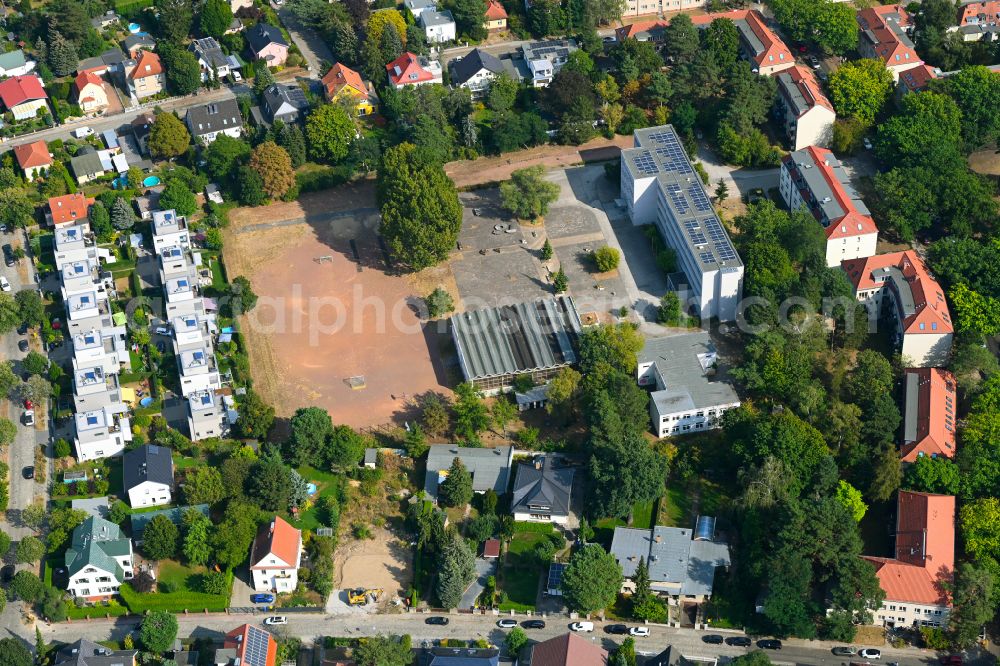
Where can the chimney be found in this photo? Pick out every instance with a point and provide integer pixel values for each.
(657, 538)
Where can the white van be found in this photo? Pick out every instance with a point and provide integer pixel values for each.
(582, 626)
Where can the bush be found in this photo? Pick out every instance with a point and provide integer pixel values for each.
(605, 258)
(439, 302)
(62, 448)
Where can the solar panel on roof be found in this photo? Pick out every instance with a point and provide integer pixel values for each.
(706, 257)
(698, 238)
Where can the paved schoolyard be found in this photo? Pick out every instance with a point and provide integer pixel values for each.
(512, 275)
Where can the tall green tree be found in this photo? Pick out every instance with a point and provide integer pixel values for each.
(528, 194)
(197, 528)
(860, 88)
(62, 56)
(310, 426)
(456, 489)
(168, 137)
(457, 569)
(159, 538)
(158, 631)
(174, 19)
(591, 579)
(329, 131)
(182, 70)
(214, 18)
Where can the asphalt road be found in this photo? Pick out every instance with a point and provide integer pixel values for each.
(308, 627)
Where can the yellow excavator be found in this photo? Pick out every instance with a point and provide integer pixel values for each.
(359, 596)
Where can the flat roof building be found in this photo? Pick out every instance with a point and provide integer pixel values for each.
(660, 187)
(495, 345)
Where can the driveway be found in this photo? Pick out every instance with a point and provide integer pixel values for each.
(484, 569)
(739, 179)
(312, 47)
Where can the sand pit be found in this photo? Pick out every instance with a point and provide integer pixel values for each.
(383, 562)
(331, 328)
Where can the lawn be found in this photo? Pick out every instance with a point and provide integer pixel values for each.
(677, 506)
(183, 583)
(326, 484)
(604, 530)
(674, 507)
(183, 462)
(642, 515)
(520, 571)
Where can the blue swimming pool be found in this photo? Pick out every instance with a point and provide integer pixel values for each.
(151, 181)
(134, 28)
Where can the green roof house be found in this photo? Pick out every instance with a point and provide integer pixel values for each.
(99, 559)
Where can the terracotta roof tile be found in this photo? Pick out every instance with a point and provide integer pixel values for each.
(495, 11)
(245, 639)
(69, 208)
(568, 650)
(933, 414)
(147, 64)
(340, 76)
(19, 89)
(33, 155)
(278, 538)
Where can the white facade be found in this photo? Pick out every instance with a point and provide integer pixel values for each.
(94, 581)
(102, 433)
(439, 27)
(169, 229)
(541, 518)
(907, 614)
(149, 493)
(850, 247)
(74, 242)
(207, 415)
(644, 7)
(106, 349)
(30, 109)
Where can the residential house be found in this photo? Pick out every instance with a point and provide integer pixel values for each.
(14, 63)
(169, 230)
(814, 179)
(247, 646)
(978, 20)
(444, 656)
(207, 121)
(490, 468)
(758, 43)
(88, 91)
(143, 76)
(542, 490)
(659, 186)
(68, 209)
(210, 58)
(33, 158)
(439, 26)
(899, 285)
(643, 31)
(929, 414)
(916, 80)
(418, 7)
(110, 61)
(207, 415)
(644, 7)
(103, 432)
(917, 579)
(23, 96)
(105, 20)
(283, 102)
(537, 62)
(690, 393)
(74, 242)
(89, 164)
(275, 557)
(681, 562)
(475, 71)
(141, 126)
(411, 70)
(107, 348)
(86, 653)
(99, 559)
(803, 109)
(496, 16)
(884, 36)
(267, 44)
(342, 81)
(569, 649)
(148, 476)
(133, 44)
(496, 345)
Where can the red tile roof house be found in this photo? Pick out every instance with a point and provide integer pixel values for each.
(496, 16)
(883, 37)
(88, 91)
(914, 581)
(247, 646)
(758, 43)
(916, 79)
(23, 96)
(68, 209)
(807, 113)
(978, 20)
(813, 178)
(566, 650)
(900, 284)
(409, 70)
(928, 414)
(642, 31)
(33, 158)
(275, 557)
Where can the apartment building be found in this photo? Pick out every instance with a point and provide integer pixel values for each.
(102, 432)
(978, 20)
(644, 7)
(660, 187)
(884, 36)
(816, 180)
(74, 243)
(758, 43)
(803, 109)
(928, 414)
(899, 287)
(169, 230)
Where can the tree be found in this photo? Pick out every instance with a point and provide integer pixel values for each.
(26, 586)
(215, 18)
(381, 18)
(178, 196)
(527, 194)
(933, 475)
(471, 415)
(100, 221)
(470, 17)
(274, 166)
(390, 44)
(564, 390)
(926, 132)
(974, 604)
(329, 133)
(605, 258)
(196, 548)
(174, 18)
(383, 651)
(310, 428)
(516, 640)
(860, 88)
(439, 302)
(680, 40)
(722, 39)
(755, 658)
(158, 631)
(36, 389)
(29, 302)
(504, 411)
(255, 417)
(976, 91)
(434, 414)
(29, 550)
(547, 251)
(975, 314)
(118, 512)
(978, 520)
(122, 217)
(9, 315)
(223, 155)
(168, 137)
(591, 579)
(62, 55)
(159, 539)
(560, 282)
(182, 69)
(344, 448)
(502, 93)
(617, 345)
(614, 493)
(669, 313)
(850, 497)
(34, 363)
(241, 296)
(291, 138)
(269, 485)
(232, 538)
(456, 489)
(14, 653)
(456, 570)
(203, 485)
(4, 545)
(16, 210)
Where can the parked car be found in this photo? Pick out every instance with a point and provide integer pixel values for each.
(4, 284)
(436, 619)
(712, 639)
(739, 641)
(28, 419)
(22, 344)
(769, 644)
(952, 660)
(22, 329)
(616, 629)
(638, 631)
(276, 619)
(8, 254)
(870, 653)
(507, 623)
(82, 132)
(814, 61)
(237, 77)
(162, 330)
(582, 626)
(845, 651)
(533, 624)
(7, 573)
(261, 598)
(28, 472)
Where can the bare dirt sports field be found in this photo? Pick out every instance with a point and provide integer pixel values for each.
(328, 311)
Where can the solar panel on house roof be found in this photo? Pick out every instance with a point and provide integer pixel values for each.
(89, 339)
(256, 648)
(91, 420)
